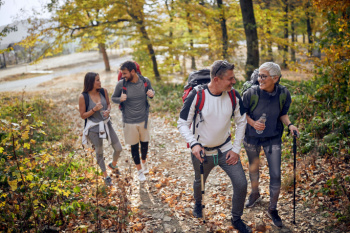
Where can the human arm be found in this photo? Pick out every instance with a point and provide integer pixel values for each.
(240, 123)
(117, 94)
(109, 107)
(150, 92)
(285, 120)
(184, 122)
(82, 108)
(255, 124)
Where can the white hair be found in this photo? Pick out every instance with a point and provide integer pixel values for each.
(271, 67)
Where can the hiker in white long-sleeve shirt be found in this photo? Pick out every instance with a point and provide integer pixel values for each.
(212, 135)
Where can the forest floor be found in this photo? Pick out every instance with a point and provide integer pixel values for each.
(165, 201)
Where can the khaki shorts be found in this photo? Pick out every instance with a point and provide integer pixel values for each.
(134, 133)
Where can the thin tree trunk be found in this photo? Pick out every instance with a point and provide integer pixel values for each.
(102, 47)
(223, 29)
(309, 28)
(286, 34)
(150, 51)
(190, 31)
(251, 37)
(293, 58)
(3, 55)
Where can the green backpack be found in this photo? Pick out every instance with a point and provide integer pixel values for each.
(254, 84)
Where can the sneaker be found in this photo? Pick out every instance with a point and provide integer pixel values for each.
(252, 200)
(273, 214)
(241, 226)
(108, 181)
(114, 168)
(197, 211)
(141, 176)
(145, 168)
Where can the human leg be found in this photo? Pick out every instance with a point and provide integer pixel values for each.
(197, 193)
(239, 183)
(144, 150)
(117, 147)
(274, 161)
(253, 152)
(98, 145)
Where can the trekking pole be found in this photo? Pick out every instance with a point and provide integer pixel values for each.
(202, 182)
(295, 161)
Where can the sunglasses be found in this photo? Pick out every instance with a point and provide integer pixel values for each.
(223, 64)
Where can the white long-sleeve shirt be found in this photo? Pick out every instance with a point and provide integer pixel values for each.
(215, 127)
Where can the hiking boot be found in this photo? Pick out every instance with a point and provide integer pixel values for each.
(108, 181)
(273, 214)
(197, 211)
(241, 226)
(252, 200)
(145, 168)
(114, 168)
(141, 176)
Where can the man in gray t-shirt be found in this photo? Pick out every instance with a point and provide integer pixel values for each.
(132, 94)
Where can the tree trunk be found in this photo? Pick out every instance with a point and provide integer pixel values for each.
(286, 34)
(309, 28)
(223, 30)
(150, 51)
(293, 58)
(251, 37)
(102, 47)
(190, 31)
(3, 55)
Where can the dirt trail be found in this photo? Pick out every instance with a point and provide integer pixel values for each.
(164, 202)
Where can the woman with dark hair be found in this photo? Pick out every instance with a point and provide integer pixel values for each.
(94, 107)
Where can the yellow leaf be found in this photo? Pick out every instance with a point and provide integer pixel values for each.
(1, 149)
(25, 135)
(32, 141)
(13, 184)
(26, 145)
(340, 29)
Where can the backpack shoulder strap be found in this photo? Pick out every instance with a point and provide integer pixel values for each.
(254, 98)
(282, 96)
(232, 95)
(124, 86)
(144, 82)
(86, 99)
(102, 91)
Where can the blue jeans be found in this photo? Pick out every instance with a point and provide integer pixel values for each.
(236, 174)
(274, 161)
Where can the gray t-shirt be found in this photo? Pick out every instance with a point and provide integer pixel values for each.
(97, 116)
(135, 106)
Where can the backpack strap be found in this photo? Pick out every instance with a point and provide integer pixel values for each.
(282, 96)
(232, 95)
(199, 105)
(86, 99)
(254, 98)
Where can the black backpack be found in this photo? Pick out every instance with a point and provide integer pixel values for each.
(86, 98)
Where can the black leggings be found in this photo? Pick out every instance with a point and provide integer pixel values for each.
(135, 152)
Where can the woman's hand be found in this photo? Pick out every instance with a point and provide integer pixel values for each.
(106, 113)
(98, 107)
(259, 126)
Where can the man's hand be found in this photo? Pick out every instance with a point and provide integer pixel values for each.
(122, 97)
(150, 93)
(196, 152)
(232, 158)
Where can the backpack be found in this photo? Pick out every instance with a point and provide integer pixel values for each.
(121, 105)
(254, 84)
(86, 98)
(137, 71)
(198, 80)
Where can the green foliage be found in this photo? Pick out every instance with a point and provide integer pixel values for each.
(41, 179)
